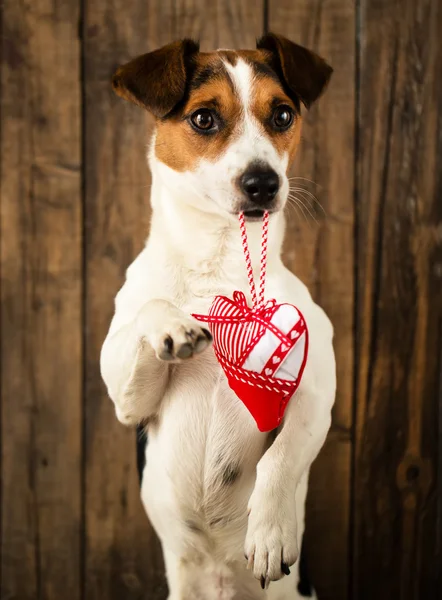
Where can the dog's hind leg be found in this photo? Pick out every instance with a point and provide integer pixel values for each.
(200, 580)
(171, 563)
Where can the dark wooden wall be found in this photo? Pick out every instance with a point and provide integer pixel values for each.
(74, 213)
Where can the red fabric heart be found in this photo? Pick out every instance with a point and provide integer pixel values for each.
(263, 352)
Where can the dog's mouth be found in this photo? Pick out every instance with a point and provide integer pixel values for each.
(254, 214)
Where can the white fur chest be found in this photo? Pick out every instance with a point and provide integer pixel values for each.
(205, 444)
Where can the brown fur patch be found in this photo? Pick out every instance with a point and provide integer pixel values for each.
(180, 147)
(267, 89)
(305, 74)
(267, 95)
(156, 80)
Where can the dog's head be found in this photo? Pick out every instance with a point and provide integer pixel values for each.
(228, 122)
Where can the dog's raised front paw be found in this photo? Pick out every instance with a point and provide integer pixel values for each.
(180, 339)
(271, 547)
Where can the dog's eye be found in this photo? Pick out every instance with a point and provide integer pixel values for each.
(203, 119)
(283, 117)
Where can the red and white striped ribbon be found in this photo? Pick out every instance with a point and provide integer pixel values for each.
(262, 277)
(245, 245)
(257, 301)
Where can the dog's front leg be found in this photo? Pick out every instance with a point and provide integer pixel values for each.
(271, 542)
(135, 359)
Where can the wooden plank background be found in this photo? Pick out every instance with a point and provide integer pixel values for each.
(74, 213)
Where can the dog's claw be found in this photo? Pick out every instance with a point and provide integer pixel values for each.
(271, 541)
(200, 344)
(167, 350)
(168, 344)
(263, 582)
(207, 334)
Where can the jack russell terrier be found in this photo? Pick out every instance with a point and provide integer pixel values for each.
(215, 488)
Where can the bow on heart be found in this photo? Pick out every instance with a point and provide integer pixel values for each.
(262, 349)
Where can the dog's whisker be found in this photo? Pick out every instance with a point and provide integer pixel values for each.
(297, 212)
(306, 191)
(291, 207)
(298, 206)
(301, 203)
(310, 196)
(307, 201)
(300, 211)
(306, 207)
(303, 179)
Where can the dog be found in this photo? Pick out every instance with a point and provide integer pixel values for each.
(226, 500)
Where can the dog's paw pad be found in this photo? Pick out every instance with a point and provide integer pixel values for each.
(183, 339)
(184, 351)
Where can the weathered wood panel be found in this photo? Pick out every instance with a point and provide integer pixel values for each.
(122, 556)
(398, 531)
(41, 291)
(396, 544)
(320, 251)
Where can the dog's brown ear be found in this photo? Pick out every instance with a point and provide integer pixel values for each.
(157, 80)
(305, 73)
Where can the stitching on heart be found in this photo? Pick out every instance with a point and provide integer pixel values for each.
(281, 354)
(288, 384)
(283, 348)
(243, 357)
(267, 387)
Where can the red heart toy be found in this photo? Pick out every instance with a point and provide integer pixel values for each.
(262, 350)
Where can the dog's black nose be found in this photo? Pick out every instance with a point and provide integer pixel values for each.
(260, 185)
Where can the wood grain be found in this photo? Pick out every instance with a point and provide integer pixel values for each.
(320, 250)
(41, 351)
(69, 469)
(121, 556)
(123, 559)
(398, 534)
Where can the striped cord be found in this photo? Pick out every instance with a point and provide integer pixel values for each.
(245, 246)
(262, 276)
(257, 302)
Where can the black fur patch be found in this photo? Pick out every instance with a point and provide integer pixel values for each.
(202, 77)
(141, 450)
(230, 474)
(305, 588)
(206, 74)
(265, 69)
(230, 56)
(272, 435)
